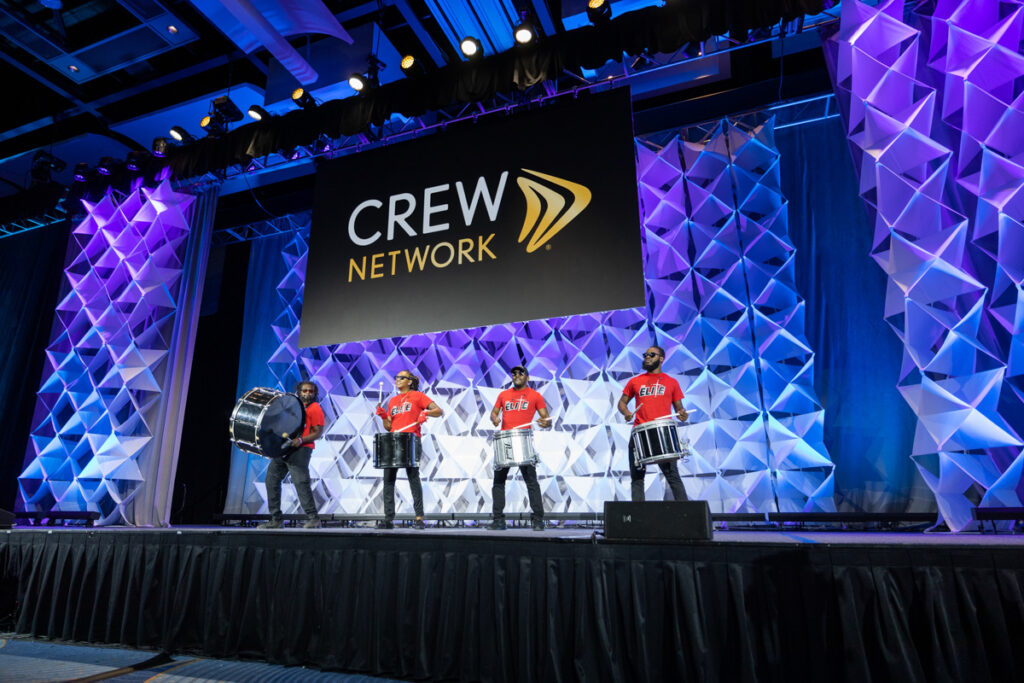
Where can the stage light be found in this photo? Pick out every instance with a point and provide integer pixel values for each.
(137, 160)
(408, 62)
(161, 146)
(599, 11)
(108, 165)
(225, 110)
(181, 135)
(524, 32)
(471, 47)
(81, 172)
(357, 82)
(303, 98)
(258, 113)
(43, 163)
(212, 126)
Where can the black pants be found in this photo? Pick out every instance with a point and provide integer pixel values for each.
(390, 475)
(297, 464)
(532, 490)
(636, 477)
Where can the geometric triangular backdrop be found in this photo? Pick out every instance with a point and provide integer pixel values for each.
(934, 108)
(99, 412)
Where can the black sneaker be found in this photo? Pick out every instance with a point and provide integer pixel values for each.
(538, 525)
(418, 524)
(496, 525)
(385, 524)
(272, 524)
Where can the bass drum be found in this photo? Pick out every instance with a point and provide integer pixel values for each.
(264, 419)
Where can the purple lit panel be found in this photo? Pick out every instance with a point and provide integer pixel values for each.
(105, 366)
(933, 106)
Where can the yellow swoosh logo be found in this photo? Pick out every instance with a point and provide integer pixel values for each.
(544, 227)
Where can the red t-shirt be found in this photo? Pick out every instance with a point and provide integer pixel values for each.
(314, 418)
(404, 410)
(654, 394)
(518, 406)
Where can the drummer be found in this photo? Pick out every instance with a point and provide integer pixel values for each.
(406, 412)
(296, 462)
(517, 407)
(656, 396)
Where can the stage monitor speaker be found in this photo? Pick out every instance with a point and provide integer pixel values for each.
(658, 520)
(6, 519)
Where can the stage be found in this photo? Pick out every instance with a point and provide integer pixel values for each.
(563, 604)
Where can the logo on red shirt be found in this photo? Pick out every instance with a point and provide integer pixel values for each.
(652, 390)
(401, 408)
(521, 404)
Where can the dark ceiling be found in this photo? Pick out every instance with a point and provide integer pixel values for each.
(102, 77)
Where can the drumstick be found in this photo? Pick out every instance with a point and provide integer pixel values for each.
(395, 431)
(380, 393)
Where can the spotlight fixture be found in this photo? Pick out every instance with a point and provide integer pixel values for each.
(225, 110)
(212, 126)
(181, 135)
(108, 165)
(43, 163)
(161, 146)
(258, 113)
(599, 11)
(524, 32)
(371, 79)
(471, 47)
(303, 98)
(357, 82)
(137, 160)
(81, 172)
(408, 63)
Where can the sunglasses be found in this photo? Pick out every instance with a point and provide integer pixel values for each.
(518, 372)
(403, 377)
(651, 355)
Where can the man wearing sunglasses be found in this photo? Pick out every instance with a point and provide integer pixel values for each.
(657, 395)
(517, 407)
(406, 412)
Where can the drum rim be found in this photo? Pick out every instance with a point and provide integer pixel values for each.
(500, 433)
(277, 393)
(654, 424)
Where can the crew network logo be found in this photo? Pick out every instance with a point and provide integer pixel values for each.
(540, 226)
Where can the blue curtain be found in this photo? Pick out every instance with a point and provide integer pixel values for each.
(869, 428)
(31, 275)
(267, 267)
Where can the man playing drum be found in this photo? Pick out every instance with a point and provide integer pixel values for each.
(656, 396)
(297, 463)
(406, 411)
(516, 407)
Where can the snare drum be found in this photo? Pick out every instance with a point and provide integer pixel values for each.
(657, 441)
(396, 449)
(513, 448)
(262, 418)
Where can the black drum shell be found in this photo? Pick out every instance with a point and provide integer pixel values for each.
(396, 449)
(656, 442)
(261, 419)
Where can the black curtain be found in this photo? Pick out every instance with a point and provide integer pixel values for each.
(31, 276)
(449, 608)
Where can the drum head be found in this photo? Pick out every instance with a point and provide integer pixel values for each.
(284, 415)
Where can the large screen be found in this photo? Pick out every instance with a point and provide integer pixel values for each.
(529, 216)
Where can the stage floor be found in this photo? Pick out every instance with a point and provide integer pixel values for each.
(469, 604)
(583, 534)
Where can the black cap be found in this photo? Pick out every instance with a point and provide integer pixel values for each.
(519, 367)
